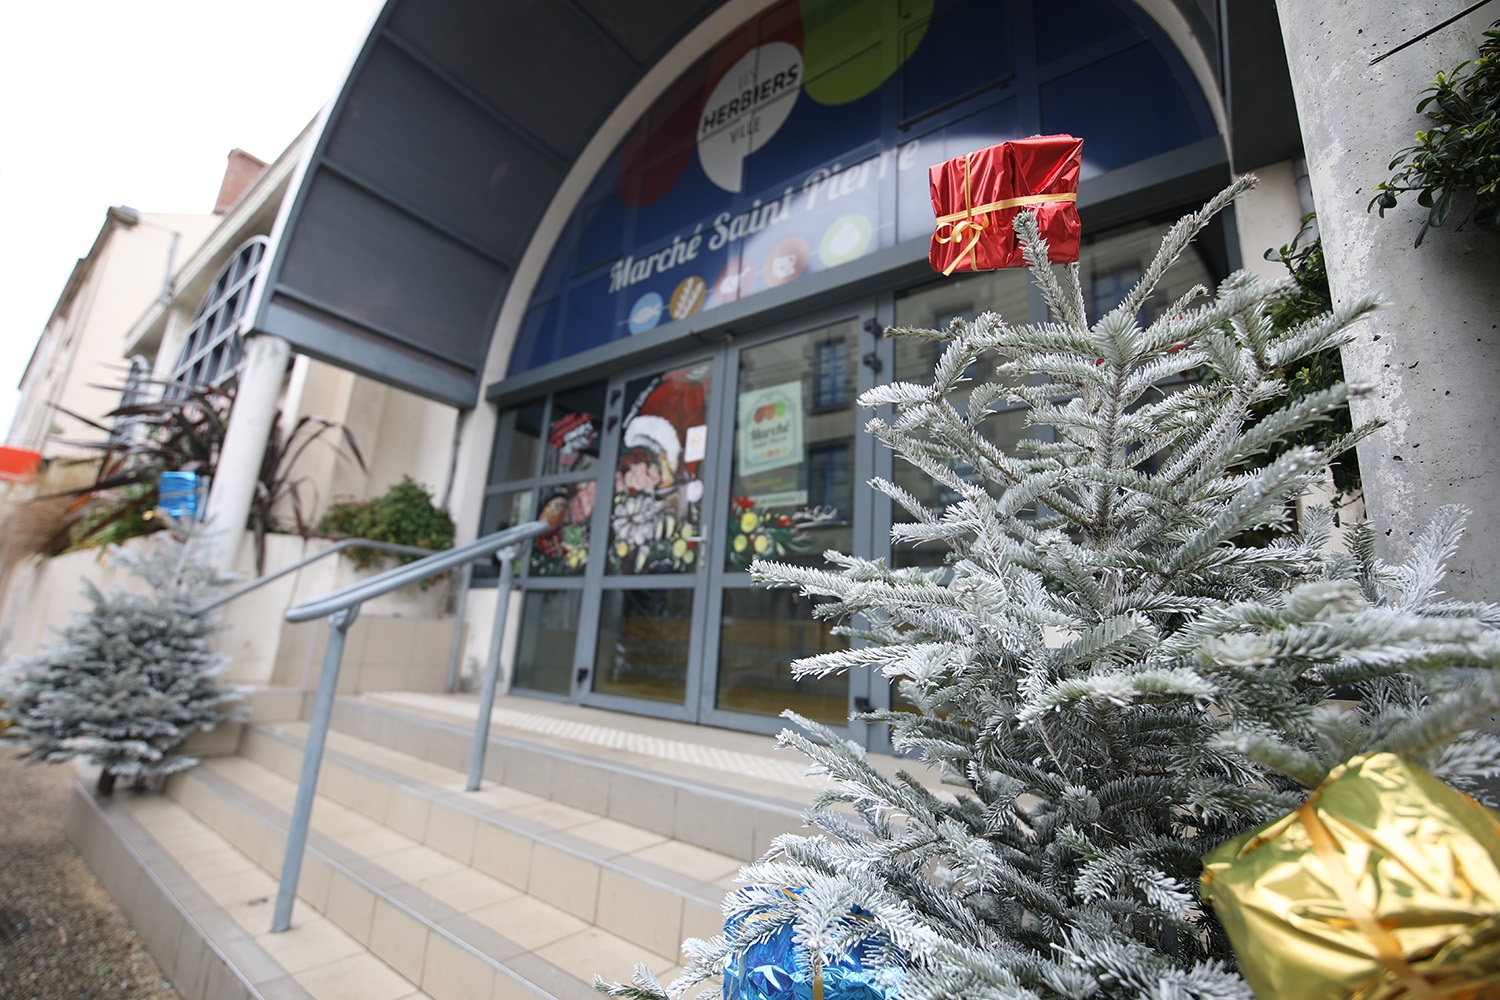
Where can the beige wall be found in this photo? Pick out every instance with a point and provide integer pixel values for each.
(1268, 216)
(479, 625)
(42, 597)
(397, 433)
(84, 347)
(400, 641)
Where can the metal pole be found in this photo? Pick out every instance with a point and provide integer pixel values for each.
(312, 760)
(465, 575)
(491, 673)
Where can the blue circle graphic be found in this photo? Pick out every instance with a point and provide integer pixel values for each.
(646, 312)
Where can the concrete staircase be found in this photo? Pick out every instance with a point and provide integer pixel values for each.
(599, 841)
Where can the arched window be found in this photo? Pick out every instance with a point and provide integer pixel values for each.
(136, 390)
(213, 351)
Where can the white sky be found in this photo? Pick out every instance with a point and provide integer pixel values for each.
(137, 102)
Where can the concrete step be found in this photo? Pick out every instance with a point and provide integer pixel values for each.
(723, 791)
(507, 892)
(179, 884)
(596, 869)
(597, 842)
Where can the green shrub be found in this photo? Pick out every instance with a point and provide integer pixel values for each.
(405, 515)
(1323, 370)
(1461, 151)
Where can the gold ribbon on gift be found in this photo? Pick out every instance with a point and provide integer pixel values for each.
(1387, 948)
(960, 222)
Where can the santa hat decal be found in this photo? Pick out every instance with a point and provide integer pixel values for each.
(655, 433)
(663, 415)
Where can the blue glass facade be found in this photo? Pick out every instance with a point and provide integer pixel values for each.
(802, 142)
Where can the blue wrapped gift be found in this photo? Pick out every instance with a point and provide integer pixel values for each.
(180, 494)
(775, 967)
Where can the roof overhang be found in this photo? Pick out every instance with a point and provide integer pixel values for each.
(251, 215)
(455, 127)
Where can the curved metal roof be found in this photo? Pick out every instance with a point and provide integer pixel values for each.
(455, 125)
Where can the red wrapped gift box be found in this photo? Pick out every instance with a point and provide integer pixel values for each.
(976, 198)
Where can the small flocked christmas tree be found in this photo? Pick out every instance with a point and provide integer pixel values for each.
(133, 677)
(1120, 667)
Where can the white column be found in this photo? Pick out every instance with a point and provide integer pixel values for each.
(250, 421)
(1432, 351)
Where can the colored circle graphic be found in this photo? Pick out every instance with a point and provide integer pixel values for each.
(734, 281)
(833, 30)
(688, 297)
(847, 239)
(787, 261)
(646, 313)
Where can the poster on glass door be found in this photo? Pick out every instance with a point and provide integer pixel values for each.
(770, 429)
(656, 513)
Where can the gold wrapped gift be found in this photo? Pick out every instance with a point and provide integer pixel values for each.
(1384, 885)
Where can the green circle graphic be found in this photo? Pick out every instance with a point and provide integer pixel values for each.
(850, 47)
(847, 239)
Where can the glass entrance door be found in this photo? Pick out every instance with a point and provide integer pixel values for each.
(642, 622)
(788, 492)
(647, 614)
(665, 483)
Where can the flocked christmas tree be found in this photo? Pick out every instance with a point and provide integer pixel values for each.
(1119, 668)
(133, 676)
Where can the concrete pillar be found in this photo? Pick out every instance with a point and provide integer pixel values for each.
(1432, 351)
(238, 471)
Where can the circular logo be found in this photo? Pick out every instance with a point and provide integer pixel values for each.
(687, 298)
(646, 313)
(787, 261)
(734, 281)
(846, 240)
(746, 107)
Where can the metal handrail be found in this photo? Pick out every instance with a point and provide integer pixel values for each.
(336, 547)
(341, 608)
(434, 564)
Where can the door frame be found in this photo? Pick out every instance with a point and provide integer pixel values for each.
(874, 358)
(871, 349)
(596, 581)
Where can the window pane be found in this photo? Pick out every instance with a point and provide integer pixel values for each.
(1111, 265)
(549, 628)
(521, 460)
(501, 511)
(564, 551)
(573, 437)
(762, 632)
(656, 516)
(792, 495)
(643, 644)
(1162, 113)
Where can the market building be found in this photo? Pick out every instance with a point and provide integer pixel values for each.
(627, 269)
(652, 260)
